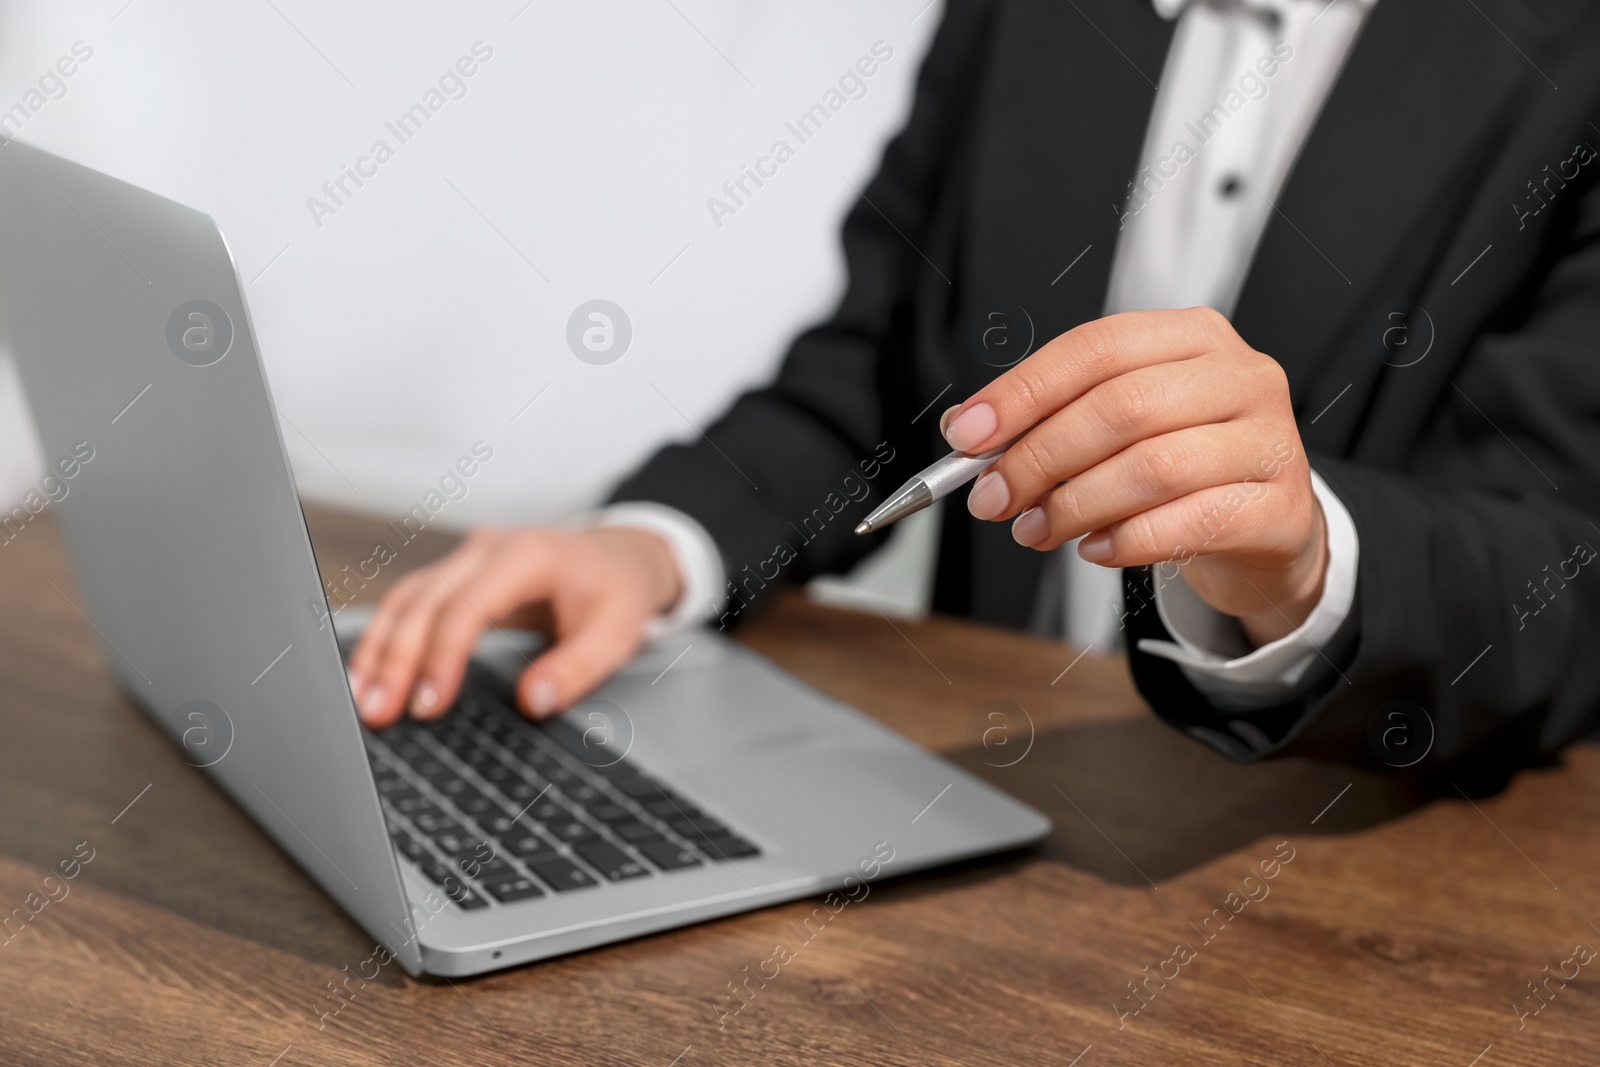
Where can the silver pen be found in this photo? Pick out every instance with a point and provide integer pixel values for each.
(934, 482)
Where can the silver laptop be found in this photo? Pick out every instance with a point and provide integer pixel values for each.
(480, 840)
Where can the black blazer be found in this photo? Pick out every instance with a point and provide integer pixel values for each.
(1448, 186)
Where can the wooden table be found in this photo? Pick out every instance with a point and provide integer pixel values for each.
(1401, 930)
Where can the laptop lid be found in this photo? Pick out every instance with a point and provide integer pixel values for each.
(125, 316)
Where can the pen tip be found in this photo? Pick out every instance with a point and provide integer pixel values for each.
(863, 527)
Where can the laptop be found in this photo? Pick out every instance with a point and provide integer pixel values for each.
(700, 781)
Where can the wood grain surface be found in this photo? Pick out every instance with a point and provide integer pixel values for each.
(1393, 929)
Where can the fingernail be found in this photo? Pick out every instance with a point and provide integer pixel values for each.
(944, 420)
(542, 698)
(425, 702)
(1096, 547)
(372, 703)
(989, 497)
(1031, 527)
(971, 428)
(358, 682)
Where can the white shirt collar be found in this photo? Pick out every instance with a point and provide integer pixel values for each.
(1171, 9)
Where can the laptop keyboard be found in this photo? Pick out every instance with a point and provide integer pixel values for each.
(493, 808)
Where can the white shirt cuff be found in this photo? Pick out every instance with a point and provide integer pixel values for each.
(1215, 656)
(696, 554)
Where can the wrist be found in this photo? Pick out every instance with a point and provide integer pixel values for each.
(658, 567)
(1297, 596)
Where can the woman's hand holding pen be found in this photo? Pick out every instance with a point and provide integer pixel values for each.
(1157, 435)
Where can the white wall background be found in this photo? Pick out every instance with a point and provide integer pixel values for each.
(415, 321)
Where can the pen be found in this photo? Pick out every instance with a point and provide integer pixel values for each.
(934, 482)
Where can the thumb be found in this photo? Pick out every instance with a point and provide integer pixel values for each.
(596, 643)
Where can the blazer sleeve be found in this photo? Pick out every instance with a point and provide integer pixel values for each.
(782, 477)
(1478, 588)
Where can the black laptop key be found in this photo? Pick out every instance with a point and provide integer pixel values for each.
(593, 747)
(499, 824)
(571, 831)
(480, 863)
(561, 874)
(410, 751)
(433, 769)
(452, 786)
(566, 735)
(454, 841)
(494, 725)
(409, 846)
(583, 794)
(462, 896)
(414, 805)
(498, 772)
(614, 864)
(522, 792)
(669, 857)
(703, 825)
(640, 788)
(522, 745)
(399, 792)
(432, 869)
(560, 775)
(527, 846)
(440, 727)
(726, 847)
(433, 821)
(670, 809)
(454, 738)
(611, 814)
(549, 811)
(636, 832)
(474, 803)
(509, 889)
(478, 807)
(611, 766)
(548, 770)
